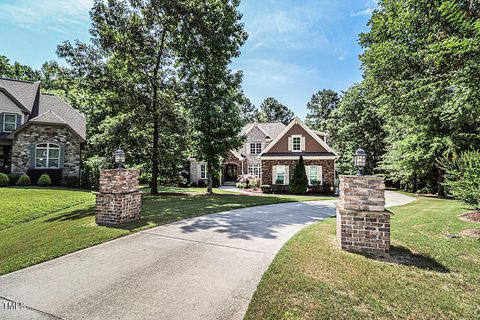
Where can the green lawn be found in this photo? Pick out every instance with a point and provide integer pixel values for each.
(68, 230)
(17, 205)
(430, 276)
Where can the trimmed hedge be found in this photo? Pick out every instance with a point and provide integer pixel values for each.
(44, 180)
(4, 180)
(24, 180)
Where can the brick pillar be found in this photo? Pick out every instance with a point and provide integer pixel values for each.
(363, 225)
(118, 199)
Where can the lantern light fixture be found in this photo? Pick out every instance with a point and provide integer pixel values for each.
(360, 161)
(119, 158)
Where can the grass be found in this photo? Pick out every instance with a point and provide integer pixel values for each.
(54, 234)
(17, 204)
(430, 276)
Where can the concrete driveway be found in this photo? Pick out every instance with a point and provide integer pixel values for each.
(200, 268)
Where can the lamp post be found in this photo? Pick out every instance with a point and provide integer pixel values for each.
(360, 160)
(119, 158)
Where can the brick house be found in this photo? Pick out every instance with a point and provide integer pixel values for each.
(39, 132)
(271, 151)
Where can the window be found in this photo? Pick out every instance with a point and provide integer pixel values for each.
(280, 175)
(313, 175)
(296, 143)
(9, 122)
(254, 169)
(47, 155)
(256, 148)
(203, 171)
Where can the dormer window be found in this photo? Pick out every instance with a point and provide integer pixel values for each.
(255, 148)
(9, 122)
(297, 143)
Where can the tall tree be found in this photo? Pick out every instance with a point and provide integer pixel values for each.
(18, 71)
(212, 88)
(273, 111)
(129, 76)
(248, 111)
(358, 124)
(321, 108)
(421, 61)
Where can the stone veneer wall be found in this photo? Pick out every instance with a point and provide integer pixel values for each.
(328, 169)
(37, 133)
(363, 225)
(118, 199)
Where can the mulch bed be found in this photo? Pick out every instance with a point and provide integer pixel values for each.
(474, 233)
(471, 216)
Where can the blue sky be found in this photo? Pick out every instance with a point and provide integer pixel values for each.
(295, 48)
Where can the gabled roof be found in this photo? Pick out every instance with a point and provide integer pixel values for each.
(47, 108)
(270, 129)
(47, 117)
(24, 92)
(297, 121)
(64, 112)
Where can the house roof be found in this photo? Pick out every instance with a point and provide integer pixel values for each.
(24, 92)
(272, 129)
(47, 108)
(63, 112)
(297, 121)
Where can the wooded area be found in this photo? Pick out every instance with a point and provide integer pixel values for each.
(156, 81)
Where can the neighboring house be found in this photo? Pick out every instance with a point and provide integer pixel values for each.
(39, 132)
(271, 151)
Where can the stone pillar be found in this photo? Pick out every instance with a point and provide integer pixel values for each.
(363, 225)
(118, 199)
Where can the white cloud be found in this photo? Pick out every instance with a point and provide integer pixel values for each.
(341, 58)
(52, 15)
(365, 12)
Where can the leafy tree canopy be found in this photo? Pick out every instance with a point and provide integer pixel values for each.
(321, 108)
(273, 111)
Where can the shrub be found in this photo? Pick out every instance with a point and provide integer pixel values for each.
(13, 178)
(24, 180)
(299, 182)
(44, 180)
(253, 183)
(91, 171)
(202, 184)
(241, 185)
(4, 180)
(279, 189)
(266, 188)
(54, 174)
(462, 179)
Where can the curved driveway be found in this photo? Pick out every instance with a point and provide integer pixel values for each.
(201, 268)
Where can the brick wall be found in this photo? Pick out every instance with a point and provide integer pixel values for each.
(328, 169)
(118, 199)
(363, 225)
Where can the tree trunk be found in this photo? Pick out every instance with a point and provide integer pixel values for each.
(210, 178)
(440, 188)
(154, 182)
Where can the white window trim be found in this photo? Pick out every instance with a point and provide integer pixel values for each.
(299, 136)
(256, 150)
(50, 146)
(310, 174)
(203, 173)
(284, 174)
(251, 170)
(4, 122)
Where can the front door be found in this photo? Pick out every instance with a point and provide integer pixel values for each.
(231, 172)
(5, 159)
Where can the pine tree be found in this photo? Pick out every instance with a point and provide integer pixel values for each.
(299, 182)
